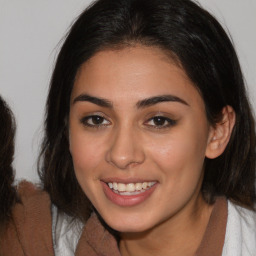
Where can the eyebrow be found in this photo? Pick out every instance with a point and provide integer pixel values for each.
(95, 100)
(140, 104)
(158, 99)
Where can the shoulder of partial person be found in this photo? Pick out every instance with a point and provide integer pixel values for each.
(29, 228)
(26, 189)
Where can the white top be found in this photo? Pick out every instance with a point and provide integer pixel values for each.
(240, 238)
(66, 233)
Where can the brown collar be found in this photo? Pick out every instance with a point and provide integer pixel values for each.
(97, 241)
(214, 235)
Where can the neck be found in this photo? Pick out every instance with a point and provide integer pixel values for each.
(180, 235)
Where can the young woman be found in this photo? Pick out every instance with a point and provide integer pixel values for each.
(7, 192)
(149, 144)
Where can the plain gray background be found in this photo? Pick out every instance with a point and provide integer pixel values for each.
(30, 38)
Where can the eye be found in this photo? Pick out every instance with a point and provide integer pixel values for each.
(160, 122)
(94, 121)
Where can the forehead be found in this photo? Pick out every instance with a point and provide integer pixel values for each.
(135, 73)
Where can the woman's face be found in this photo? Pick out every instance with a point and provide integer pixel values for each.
(138, 137)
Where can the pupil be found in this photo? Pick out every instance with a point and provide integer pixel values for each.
(97, 119)
(159, 121)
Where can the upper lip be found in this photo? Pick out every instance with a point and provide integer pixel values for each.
(126, 180)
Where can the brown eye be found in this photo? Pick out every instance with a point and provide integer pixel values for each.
(94, 121)
(160, 122)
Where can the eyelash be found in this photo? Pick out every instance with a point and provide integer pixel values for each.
(167, 122)
(85, 121)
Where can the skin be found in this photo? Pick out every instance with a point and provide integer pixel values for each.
(127, 143)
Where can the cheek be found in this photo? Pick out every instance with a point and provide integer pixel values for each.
(180, 156)
(86, 157)
(85, 153)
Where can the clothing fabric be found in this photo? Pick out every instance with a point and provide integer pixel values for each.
(66, 233)
(38, 229)
(64, 242)
(28, 233)
(240, 238)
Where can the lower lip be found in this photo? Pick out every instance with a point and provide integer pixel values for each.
(127, 200)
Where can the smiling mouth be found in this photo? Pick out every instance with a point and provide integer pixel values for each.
(130, 189)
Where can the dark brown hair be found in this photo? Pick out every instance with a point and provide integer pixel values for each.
(206, 53)
(7, 133)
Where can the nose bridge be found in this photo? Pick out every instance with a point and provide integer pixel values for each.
(125, 149)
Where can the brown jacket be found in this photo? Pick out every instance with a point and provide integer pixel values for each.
(30, 232)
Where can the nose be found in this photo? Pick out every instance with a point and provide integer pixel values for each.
(125, 150)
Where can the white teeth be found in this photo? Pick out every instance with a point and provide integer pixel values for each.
(115, 186)
(121, 187)
(138, 186)
(144, 185)
(131, 188)
(129, 193)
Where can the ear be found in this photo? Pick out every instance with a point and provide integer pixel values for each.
(220, 134)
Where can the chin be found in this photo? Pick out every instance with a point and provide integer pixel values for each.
(128, 225)
(128, 228)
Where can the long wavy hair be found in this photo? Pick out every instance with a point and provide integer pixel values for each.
(186, 32)
(7, 134)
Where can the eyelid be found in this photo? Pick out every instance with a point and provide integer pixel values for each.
(171, 121)
(85, 118)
